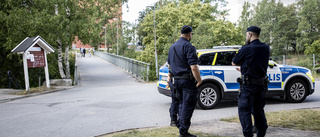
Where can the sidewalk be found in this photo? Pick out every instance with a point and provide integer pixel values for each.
(6, 95)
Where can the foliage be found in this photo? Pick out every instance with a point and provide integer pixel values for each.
(309, 25)
(287, 29)
(307, 62)
(245, 18)
(218, 33)
(313, 48)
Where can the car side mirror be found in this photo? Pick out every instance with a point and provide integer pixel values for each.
(271, 66)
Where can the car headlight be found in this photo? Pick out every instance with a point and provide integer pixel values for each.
(309, 73)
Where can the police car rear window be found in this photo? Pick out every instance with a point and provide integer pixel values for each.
(225, 58)
(206, 59)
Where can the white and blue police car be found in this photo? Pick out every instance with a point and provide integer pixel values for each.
(219, 78)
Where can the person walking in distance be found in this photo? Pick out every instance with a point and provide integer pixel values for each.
(253, 59)
(183, 64)
(84, 52)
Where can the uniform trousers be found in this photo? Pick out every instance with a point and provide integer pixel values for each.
(252, 99)
(174, 108)
(187, 103)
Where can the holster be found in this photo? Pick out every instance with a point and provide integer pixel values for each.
(173, 88)
(246, 80)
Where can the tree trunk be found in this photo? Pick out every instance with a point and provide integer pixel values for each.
(66, 62)
(66, 55)
(60, 64)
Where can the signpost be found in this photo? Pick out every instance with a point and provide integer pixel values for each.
(34, 52)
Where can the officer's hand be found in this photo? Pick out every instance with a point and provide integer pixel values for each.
(239, 69)
(199, 83)
(167, 86)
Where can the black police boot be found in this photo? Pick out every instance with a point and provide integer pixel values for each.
(187, 135)
(254, 129)
(173, 123)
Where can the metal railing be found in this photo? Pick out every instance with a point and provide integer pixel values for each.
(136, 68)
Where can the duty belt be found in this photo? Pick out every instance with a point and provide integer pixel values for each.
(254, 81)
(183, 76)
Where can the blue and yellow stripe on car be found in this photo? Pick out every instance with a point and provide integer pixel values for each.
(162, 84)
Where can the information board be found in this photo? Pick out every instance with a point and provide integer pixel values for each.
(35, 57)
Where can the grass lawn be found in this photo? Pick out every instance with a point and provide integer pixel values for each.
(33, 90)
(155, 132)
(303, 119)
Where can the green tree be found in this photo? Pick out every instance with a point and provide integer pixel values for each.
(284, 30)
(245, 18)
(309, 25)
(217, 33)
(314, 48)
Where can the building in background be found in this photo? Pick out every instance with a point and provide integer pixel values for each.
(77, 44)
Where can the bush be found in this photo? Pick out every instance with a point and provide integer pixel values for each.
(307, 62)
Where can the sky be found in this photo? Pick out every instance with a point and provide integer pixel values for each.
(235, 6)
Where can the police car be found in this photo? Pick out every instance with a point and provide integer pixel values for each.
(219, 78)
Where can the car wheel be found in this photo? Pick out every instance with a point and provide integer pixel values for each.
(296, 91)
(208, 96)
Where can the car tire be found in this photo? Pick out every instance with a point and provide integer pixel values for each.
(208, 96)
(296, 91)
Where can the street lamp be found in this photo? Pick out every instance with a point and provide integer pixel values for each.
(117, 34)
(105, 39)
(155, 43)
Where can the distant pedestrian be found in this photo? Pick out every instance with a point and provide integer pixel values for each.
(84, 52)
(253, 59)
(89, 52)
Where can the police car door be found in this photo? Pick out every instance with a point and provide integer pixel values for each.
(222, 68)
(205, 64)
(275, 78)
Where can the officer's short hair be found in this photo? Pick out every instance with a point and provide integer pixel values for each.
(256, 30)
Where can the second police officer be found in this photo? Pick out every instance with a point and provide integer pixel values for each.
(253, 59)
(183, 61)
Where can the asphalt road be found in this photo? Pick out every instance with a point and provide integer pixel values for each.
(107, 100)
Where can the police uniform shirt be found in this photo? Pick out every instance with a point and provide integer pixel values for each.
(186, 52)
(256, 56)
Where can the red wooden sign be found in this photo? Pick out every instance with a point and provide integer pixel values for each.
(36, 57)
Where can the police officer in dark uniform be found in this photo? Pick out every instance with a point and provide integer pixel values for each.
(183, 61)
(253, 59)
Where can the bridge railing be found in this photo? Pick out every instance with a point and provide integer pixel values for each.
(136, 68)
